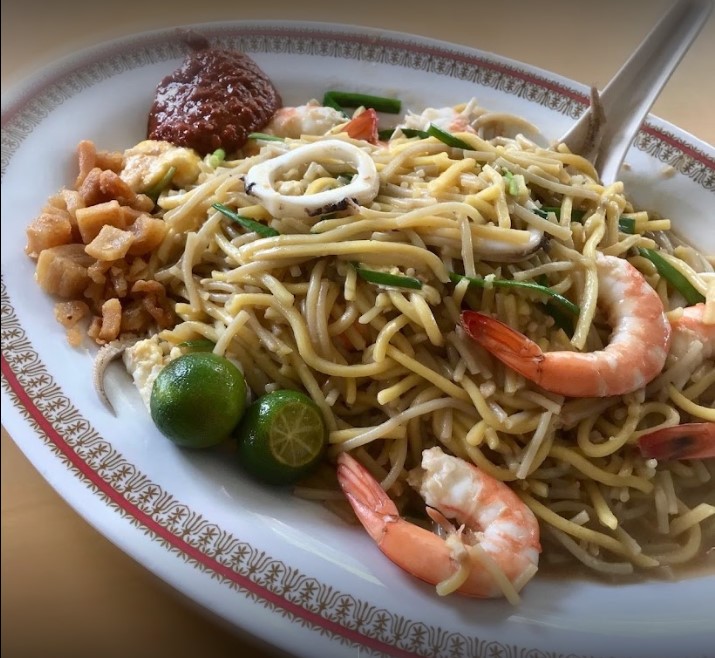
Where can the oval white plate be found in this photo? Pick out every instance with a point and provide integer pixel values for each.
(282, 568)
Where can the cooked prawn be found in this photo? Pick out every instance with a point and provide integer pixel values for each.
(469, 118)
(364, 126)
(634, 356)
(446, 118)
(691, 326)
(498, 535)
(309, 119)
(688, 440)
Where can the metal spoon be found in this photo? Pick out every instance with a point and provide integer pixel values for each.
(606, 130)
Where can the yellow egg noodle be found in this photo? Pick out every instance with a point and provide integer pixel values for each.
(370, 274)
(392, 369)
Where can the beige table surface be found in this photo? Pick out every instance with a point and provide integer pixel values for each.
(66, 591)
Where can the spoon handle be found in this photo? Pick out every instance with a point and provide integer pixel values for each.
(627, 98)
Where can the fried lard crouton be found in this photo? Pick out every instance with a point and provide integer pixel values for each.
(92, 244)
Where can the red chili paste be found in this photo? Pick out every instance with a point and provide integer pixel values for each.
(213, 101)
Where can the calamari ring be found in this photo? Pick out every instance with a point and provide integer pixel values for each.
(260, 180)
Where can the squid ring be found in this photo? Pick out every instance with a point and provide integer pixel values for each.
(260, 180)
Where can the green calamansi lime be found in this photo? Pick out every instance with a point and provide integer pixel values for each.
(281, 437)
(198, 399)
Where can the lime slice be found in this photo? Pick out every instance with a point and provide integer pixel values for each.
(198, 399)
(281, 437)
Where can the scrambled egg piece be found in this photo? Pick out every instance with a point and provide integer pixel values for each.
(144, 361)
(148, 162)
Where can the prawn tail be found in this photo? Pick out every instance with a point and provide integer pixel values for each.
(687, 441)
(369, 501)
(364, 126)
(506, 344)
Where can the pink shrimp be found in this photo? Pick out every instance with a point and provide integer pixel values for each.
(689, 327)
(490, 514)
(364, 126)
(310, 119)
(446, 118)
(688, 440)
(635, 355)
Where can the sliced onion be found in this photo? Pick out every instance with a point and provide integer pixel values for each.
(104, 357)
(261, 179)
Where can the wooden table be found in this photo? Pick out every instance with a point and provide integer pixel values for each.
(66, 591)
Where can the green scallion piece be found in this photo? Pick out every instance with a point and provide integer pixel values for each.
(526, 285)
(561, 320)
(247, 223)
(265, 137)
(414, 132)
(155, 190)
(447, 138)
(627, 225)
(217, 157)
(340, 99)
(387, 279)
(329, 102)
(512, 183)
(387, 133)
(198, 345)
(672, 276)
(576, 215)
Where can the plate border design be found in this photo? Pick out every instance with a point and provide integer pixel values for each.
(92, 459)
(377, 46)
(186, 534)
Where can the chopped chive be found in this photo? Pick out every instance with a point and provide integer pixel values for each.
(247, 223)
(155, 190)
(217, 157)
(328, 101)
(265, 137)
(340, 99)
(513, 184)
(387, 279)
(414, 132)
(576, 215)
(387, 133)
(627, 225)
(561, 319)
(447, 138)
(198, 345)
(672, 276)
(527, 285)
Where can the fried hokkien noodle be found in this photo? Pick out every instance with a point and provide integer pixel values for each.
(491, 298)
